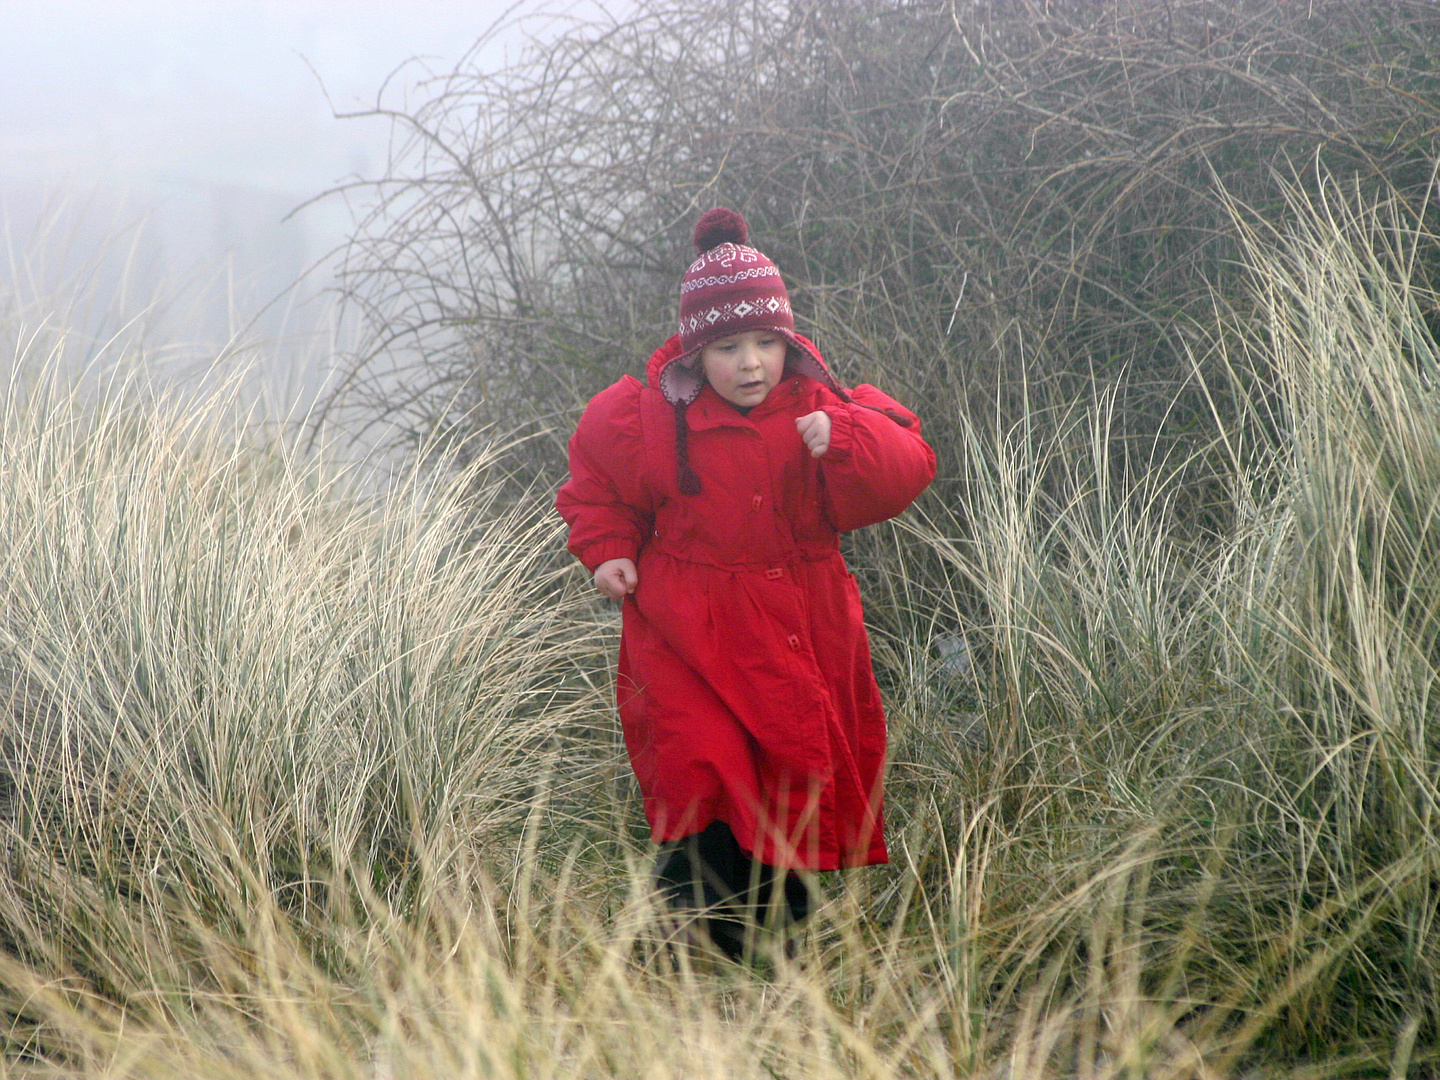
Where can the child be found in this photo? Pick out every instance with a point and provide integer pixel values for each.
(710, 501)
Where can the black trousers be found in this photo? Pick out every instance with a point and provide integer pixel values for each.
(707, 873)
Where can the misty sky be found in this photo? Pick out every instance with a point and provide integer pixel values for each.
(200, 124)
(208, 89)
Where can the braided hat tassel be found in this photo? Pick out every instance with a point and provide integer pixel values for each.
(685, 475)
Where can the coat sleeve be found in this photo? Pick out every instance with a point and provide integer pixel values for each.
(877, 464)
(605, 502)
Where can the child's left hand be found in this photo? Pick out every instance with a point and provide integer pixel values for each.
(814, 429)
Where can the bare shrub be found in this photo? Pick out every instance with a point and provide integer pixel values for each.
(976, 204)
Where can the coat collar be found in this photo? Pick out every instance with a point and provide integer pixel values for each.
(710, 410)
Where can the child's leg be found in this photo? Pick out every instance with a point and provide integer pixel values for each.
(793, 904)
(705, 873)
(703, 870)
(708, 873)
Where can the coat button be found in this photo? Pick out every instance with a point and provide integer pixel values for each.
(774, 573)
(794, 642)
(755, 501)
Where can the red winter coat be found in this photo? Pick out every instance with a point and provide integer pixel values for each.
(745, 687)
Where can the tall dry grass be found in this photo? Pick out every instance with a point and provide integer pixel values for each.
(1258, 714)
(299, 783)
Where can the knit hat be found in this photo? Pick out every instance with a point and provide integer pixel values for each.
(731, 288)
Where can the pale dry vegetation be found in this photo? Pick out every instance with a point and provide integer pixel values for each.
(297, 780)
(300, 783)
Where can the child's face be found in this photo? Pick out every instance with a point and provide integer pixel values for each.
(743, 368)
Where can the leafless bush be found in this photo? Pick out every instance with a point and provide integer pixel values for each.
(992, 204)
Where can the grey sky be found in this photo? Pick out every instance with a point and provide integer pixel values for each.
(207, 89)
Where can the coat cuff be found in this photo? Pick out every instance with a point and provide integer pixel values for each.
(842, 433)
(604, 550)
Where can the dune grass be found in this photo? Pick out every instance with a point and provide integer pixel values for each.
(299, 781)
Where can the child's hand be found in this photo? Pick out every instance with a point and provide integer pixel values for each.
(814, 428)
(616, 578)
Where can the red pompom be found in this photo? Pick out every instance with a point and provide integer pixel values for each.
(719, 226)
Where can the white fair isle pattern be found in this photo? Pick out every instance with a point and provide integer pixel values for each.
(740, 309)
(691, 284)
(726, 255)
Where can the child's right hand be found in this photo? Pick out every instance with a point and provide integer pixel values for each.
(616, 578)
(814, 430)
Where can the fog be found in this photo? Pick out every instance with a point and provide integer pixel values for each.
(153, 155)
